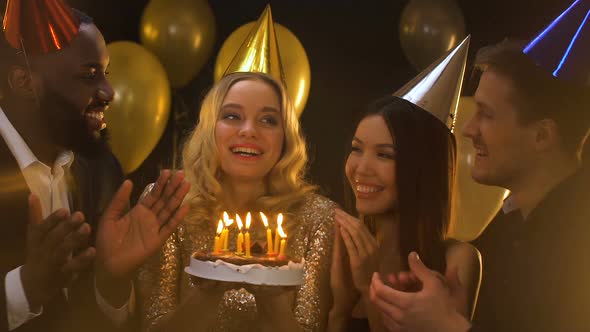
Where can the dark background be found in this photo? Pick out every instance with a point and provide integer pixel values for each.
(354, 52)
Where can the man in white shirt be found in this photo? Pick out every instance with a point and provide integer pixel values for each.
(54, 147)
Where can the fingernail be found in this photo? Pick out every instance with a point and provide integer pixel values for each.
(62, 213)
(79, 216)
(84, 229)
(415, 256)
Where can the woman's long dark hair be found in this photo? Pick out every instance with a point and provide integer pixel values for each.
(425, 172)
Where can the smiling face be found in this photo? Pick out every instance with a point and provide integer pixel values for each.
(370, 167)
(249, 131)
(505, 147)
(73, 89)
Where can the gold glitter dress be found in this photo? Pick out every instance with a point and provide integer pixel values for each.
(163, 284)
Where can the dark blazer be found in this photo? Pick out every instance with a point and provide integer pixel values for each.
(92, 183)
(536, 272)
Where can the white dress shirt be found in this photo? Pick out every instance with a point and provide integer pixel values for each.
(50, 185)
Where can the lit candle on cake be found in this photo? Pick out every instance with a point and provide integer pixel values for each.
(240, 241)
(283, 240)
(217, 245)
(268, 234)
(225, 233)
(277, 239)
(248, 221)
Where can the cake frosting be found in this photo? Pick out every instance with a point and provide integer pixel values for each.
(256, 270)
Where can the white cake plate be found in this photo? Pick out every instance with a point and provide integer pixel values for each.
(255, 274)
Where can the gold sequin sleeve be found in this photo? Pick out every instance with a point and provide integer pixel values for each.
(163, 283)
(314, 297)
(158, 284)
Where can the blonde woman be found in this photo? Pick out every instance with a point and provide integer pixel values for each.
(246, 154)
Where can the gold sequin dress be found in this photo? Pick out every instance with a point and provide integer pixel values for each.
(162, 283)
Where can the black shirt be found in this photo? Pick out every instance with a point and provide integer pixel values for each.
(536, 272)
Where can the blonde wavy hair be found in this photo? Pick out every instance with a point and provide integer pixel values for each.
(285, 184)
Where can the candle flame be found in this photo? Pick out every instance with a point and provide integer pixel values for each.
(264, 219)
(226, 219)
(239, 221)
(280, 220)
(219, 227)
(248, 220)
(282, 234)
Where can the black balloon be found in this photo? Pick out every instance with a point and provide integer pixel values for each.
(428, 29)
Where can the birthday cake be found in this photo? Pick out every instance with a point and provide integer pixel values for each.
(251, 263)
(256, 270)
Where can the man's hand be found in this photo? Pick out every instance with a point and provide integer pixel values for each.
(433, 308)
(51, 242)
(404, 281)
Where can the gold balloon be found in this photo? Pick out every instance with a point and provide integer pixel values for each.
(428, 29)
(181, 33)
(293, 58)
(139, 113)
(475, 204)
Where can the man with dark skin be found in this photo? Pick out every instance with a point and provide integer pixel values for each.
(54, 160)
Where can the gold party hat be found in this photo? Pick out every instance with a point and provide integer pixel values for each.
(437, 89)
(260, 50)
